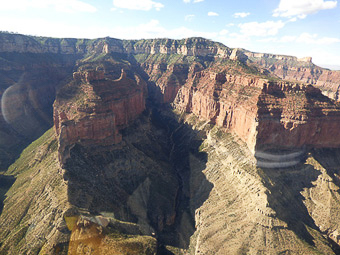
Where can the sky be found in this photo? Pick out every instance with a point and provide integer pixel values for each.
(290, 27)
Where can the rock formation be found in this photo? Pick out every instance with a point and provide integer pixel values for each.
(97, 110)
(301, 70)
(262, 113)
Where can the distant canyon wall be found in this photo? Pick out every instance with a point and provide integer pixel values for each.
(301, 70)
(190, 46)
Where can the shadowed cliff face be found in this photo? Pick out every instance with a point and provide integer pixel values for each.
(5, 183)
(28, 85)
(143, 180)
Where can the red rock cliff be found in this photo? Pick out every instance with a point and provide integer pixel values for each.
(302, 70)
(92, 109)
(298, 117)
(263, 114)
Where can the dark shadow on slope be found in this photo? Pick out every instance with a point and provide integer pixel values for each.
(27, 93)
(184, 143)
(285, 186)
(6, 183)
(329, 158)
(152, 165)
(145, 179)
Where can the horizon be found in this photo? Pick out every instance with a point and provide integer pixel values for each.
(280, 27)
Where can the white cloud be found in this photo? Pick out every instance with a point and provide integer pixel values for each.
(287, 38)
(314, 39)
(223, 32)
(268, 28)
(301, 8)
(293, 19)
(194, 1)
(212, 14)
(324, 58)
(70, 6)
(304, 38)
(183, 32)
(241, 14)
(235, 40)
(151, 29)
(230, 25)
(267, 40)
(142, 5)
(189, 17)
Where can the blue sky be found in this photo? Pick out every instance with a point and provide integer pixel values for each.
(291, 27)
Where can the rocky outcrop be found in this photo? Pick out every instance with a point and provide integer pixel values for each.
(237, 54)
(187, 47)
(298, 118)
(93, 234)
(264, 114)
(225, 100)
(97, 110)
(301, 70)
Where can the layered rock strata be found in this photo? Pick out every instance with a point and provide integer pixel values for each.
(253, 210)
(38, 45)
(97, 110)
(264, 114)
(302, 70)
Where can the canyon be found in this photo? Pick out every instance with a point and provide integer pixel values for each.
(165, 146)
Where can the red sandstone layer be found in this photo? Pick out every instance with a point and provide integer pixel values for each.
(263, 114)
(97, 110)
